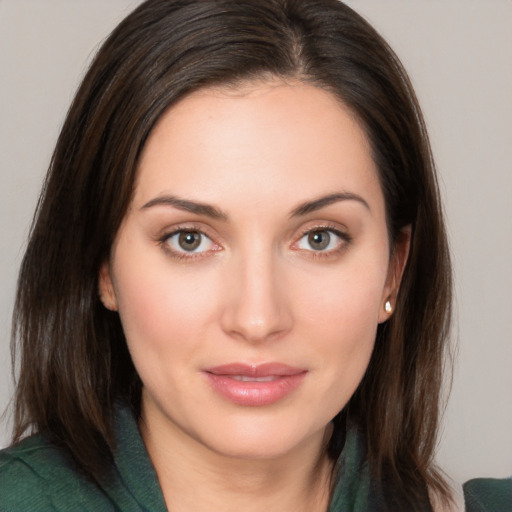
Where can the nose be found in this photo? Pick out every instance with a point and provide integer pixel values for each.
(256, 306)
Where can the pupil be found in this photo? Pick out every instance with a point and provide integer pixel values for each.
(189, 240)
(319, 240)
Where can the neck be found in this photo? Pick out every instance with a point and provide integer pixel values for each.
(298, 481)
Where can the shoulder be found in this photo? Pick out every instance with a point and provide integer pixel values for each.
(21, 483)
(37, 476)
(488, 494)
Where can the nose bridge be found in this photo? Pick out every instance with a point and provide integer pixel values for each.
(257, 308)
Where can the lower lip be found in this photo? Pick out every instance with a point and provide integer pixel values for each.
(255, 393)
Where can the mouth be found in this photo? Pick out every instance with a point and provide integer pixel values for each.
(246, 378)
(254, 385)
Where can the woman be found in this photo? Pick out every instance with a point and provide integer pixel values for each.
(238, 276)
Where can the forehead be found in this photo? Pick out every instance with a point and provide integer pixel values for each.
(275, 140)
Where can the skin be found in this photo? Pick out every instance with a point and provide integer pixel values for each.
(255, 290)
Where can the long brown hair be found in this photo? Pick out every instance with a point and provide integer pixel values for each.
(74, 364)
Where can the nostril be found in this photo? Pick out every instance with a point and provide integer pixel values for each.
(256, 321)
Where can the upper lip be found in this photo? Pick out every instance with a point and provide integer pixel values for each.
(255, 370)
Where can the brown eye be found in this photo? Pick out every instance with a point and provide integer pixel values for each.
(186, 241)
(189, 240)
(319, 240)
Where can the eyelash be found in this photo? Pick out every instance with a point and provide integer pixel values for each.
(190, 256)
(345, 237)
(184, 255)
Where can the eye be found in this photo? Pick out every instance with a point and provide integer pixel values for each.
(189, 241)
(322, 240)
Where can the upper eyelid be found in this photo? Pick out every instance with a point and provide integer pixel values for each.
(337, 230)
(169, 231)
(200, 228)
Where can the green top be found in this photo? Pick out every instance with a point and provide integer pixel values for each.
(488, 495)
(35, 476)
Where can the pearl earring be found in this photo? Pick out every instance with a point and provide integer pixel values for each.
(387, 307)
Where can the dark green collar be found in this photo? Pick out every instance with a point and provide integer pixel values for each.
(133, 464)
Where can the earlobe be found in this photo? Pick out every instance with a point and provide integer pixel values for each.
(106, 287)
(396, 269)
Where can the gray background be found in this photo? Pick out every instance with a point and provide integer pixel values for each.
(459, 55)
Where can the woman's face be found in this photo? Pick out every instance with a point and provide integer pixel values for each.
(252, 268)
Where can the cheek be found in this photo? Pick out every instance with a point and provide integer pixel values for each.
(340, 314)
(349, 325)
(347, 300)
(346, 342)
(164, 310)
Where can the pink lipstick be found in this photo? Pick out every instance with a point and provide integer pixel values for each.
(254, 385)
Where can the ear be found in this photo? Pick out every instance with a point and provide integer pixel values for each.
(397, 263)
(106, 287)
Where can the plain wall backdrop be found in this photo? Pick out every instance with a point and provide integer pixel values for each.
(459, 56)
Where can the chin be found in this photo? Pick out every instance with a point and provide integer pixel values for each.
(257, 441)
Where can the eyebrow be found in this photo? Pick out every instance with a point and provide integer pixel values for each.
(189, 206)
(322, 202)
(209, 210)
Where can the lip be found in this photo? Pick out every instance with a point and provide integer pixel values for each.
(254, 385)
